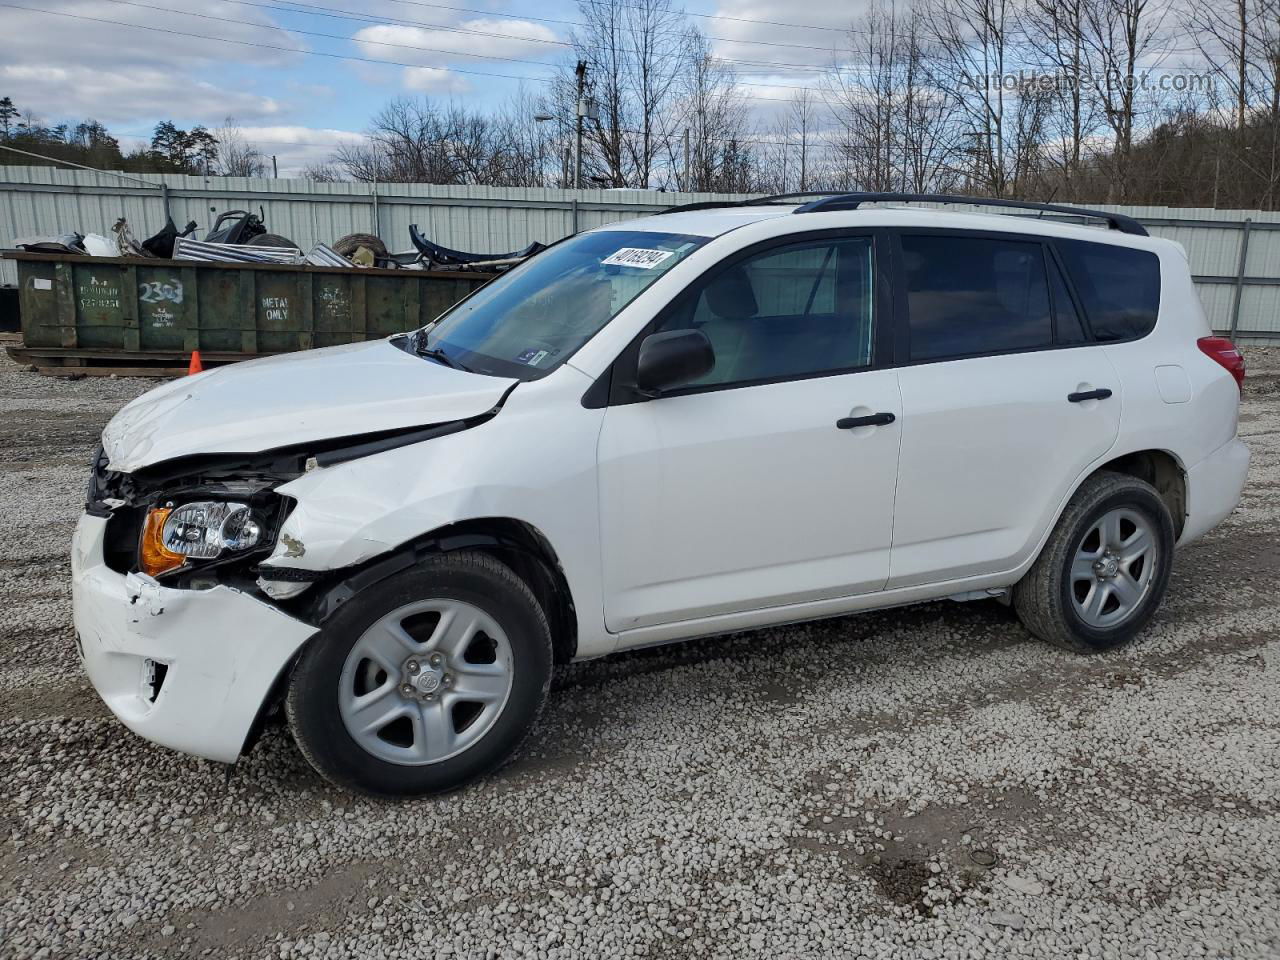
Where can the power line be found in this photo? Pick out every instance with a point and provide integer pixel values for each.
(767, 43)
(335, 56)
(405, 46)
(630, 6)
(817, 137)
(578, 23)
(327, 36)
(337, 13)
(265, 46)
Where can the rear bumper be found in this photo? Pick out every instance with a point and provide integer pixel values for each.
(220, 649)
(1214, 486)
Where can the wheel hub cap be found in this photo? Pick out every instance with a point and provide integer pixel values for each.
(1113, 567)
(428, 681)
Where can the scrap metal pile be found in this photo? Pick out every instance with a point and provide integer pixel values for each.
(238, 236)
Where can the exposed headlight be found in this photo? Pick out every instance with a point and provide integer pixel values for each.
(203, 530)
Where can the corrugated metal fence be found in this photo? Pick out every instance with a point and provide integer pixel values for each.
(1235, 254)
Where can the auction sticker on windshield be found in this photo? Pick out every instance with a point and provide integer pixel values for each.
(637, 257)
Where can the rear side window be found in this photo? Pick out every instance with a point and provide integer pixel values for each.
(1119, 287)
(1066, 318)
(971, 295)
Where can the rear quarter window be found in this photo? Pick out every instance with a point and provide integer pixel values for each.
(1119, 287)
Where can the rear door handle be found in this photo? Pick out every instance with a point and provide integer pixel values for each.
(874, 420)
(1089, 395)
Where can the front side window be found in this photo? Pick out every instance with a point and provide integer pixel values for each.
(968, 296)
(527, 322)
(1119, 287)
(796, 310)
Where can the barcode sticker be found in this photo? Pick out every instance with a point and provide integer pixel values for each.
(637, 257)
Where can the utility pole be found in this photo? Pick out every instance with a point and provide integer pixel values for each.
(581, 73)
(275, 170)
(685, 185)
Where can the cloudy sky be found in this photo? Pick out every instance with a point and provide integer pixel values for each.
(300, 77)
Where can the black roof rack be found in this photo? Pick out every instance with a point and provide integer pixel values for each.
(787, 198)
(832, 200)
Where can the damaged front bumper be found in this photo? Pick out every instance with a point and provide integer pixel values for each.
(188, 669)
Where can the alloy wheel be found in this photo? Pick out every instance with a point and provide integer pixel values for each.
(425, 682)
(1113, 567)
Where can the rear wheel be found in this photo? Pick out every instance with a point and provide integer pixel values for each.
(1104, 570)
(424, 681)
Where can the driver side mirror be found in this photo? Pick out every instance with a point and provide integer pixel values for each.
(670, 359)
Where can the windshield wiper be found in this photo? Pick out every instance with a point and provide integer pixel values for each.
(435, 353)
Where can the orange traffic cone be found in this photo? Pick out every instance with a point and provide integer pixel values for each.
(196, 366)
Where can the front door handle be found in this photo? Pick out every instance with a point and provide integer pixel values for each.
(1089, 395)
(874, 420)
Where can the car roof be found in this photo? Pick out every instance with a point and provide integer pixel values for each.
(716, 221)
(702, 223)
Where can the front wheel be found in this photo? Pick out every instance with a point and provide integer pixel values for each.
(424, 681)
(1104, 570)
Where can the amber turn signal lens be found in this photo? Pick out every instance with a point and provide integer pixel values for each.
(153, 557)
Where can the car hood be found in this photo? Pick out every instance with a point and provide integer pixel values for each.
(345, 391)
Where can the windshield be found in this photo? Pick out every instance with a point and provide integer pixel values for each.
(529, 321)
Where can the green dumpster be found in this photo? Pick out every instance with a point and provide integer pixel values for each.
(103, 314)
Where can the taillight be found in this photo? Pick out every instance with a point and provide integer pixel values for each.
(1224, 352)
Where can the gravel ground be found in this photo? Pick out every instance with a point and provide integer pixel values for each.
(925, 782)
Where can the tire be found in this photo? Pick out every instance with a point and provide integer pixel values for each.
(1090, 590)
(353, 241)
(386, 634)
(271, 240)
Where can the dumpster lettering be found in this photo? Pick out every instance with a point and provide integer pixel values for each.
(160, 317)
(334, 303)
(160, 292)
(275, 308)
(99, 294)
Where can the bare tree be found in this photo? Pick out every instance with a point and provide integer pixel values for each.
(865, 100)
(634, 57)
(1002, 97)
(1055, 36)
(802, 115)
(710, 107)
(1223, 36)
(653, 67)
(323, 172)
(973, 46)
(1267, 23)
(896, 130)
(1119, 35)
(239, 157)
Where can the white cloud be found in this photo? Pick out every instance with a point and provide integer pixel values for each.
(66, 67)
(296, 148)
(520, 40)
(435, 80)
(804, 46)
(121, 94)
(438, 49)
(100, 33)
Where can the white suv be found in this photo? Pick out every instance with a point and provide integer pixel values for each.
(706, 421)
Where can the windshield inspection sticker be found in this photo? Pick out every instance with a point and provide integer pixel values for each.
(637, 257)
(532, 357)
